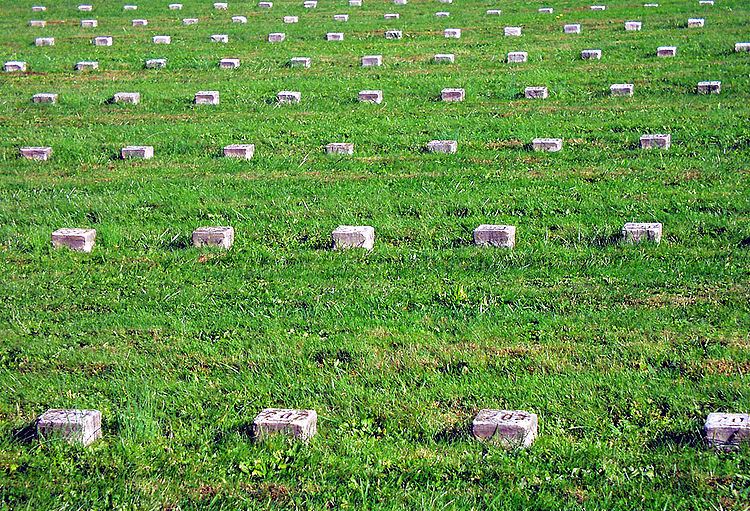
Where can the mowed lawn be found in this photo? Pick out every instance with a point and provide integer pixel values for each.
(622, 350)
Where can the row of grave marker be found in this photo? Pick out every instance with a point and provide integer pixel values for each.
(511, 429)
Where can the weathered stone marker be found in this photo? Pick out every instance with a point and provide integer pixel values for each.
(659, 141)
(127, 97)
(219, 38)
(37, 23)
(726, 431)
(36, 153)
(213, 236)
(335, 36)
(87, 65)
(372, 60)
(400, 2)
(696, 22)
(300, 424)
(493, 12)
(632, 26)
(276, 37)
(310, 4)
(162, 39)
(38, 8)
(666, 51)
(288, 96)
(391, 16)
(207, 97)
(621, 89)
(545, 10)
(442, 14)
(573, 28)
(512, 31)
(510, 428)
(549, 145)
(340, 17)
(175, 7)
(445, 58)
(393, 34)
(452, 33)
(598, 7)
(535, 92)
(705, 2)
(355, 3)
(129, 7)
(242, 151)
(738, 47)
(139, 23)
(518, 56)
(370, 96)
(144, 152)
(156, 63)
(636, 232)
(239, 19)
(300, 62)
(189, 21)
(503, 236)
(291, 19)
(80, 240)
(265, 5)
(85, 8)
(353, 236)
(44, 97)
(340, 148)
(442, 146)
(89, 23)
(229, 63)
(591, 54)
(44, 41)
(453, 94)
(712, 87)
(221, 6)
(73, 426)
(103, 40)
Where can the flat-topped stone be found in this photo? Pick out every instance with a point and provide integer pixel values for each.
(696, 22)
(493, 12)
(38, 8)
(572, 28)
(219, 38)
(658, 141)
(370, 96)
(229, 63)
(335, 36)
(276, 37)
(340, 17)
(598, 7)
(705, 2)
(300, 62)
(44, 97)
(632, 26)
(400, 2)
(711, 87)
(85, 8)
(391, 16)
(621, 89)
(89, 23)
(288, 96)
(445, 58)
(217, 236)
(635, 232)
(666, 51)
(310, 4)
(132, 98)
(73, 426)
(242, 151)
(175, 7)
(372, 60)
(129, 7)
(518, 56)
(536, 93)
(545, 10)
(221, 6)
(265, 5)
(102, 40)
(86, 65)
(139, 23)
(44, 41)
(726, 431)
(144, 152)
(207, 97)
(549, 145)
(512, 31)
(190, 21)
(452, 33)
(511, 428)
(503, 236)
(442, 14)
(79, 240)
(353, 236)
(355, 3)
(393, 34)
(442, 146)
(156, 63)
(452, 94)
(291, 19)
(300, 424)
(162, 39)
(239, 19)
(591, 54)
(340, 148)
(36, 153)
(37, 23)
(742, 47)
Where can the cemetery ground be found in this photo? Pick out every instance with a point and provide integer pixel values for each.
(621, 349)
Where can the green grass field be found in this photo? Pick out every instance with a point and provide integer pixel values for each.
(622, 350)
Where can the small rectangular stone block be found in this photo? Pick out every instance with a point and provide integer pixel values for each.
(660, 141)
(132, 98)
(219, 38)
(535, 92)
(44, 97)
(713, 87)
(445, 57)
(276, 37)
(300, 424)
(549, 145)
(442, 14)
(446, 1)
(353, 236)
(650, 5)
(742, 47)
(340, 148)
(393, 34)
(442, 146)
(726, 431)
(288, 96)
(213, 236)
(391, 16)
(696, 22)
(518, 56)
(265, 5)
(512, 31)
(87, 65)
(355, 3)
(546, 10)
(229, 63)
(207, 97)
(103, 40)
(139, 23)
(36, 153)
(144, 152)
(37, 23)
(666, 51)
(705, 2)
(340, 17)
(598, 7)
(221, 6)
(73, 426)
(80, 240)
(493, 12)
(85, 8)
(175, 7)
(452, 33)
(188, 21)
(334, 36)
(453, 94)
(310, 4)
(632, 26)
(38, 8)
(243, 151)
(372, 60)
(572, 28)
(495, 236)
(511, 428)
(591, 54)
(89, 23)
(156, 63)
(162, 39)
(621, 89)
(370, 96)
(300, 62)
(44, 41)
(291, 19)
(239, 19)
(399, 2)
(635, 232)
(129, 7)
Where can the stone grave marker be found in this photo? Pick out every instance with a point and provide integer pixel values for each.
(156, 63)
(213, 236)
(89, 23)
(598, 7)
(73, 426)
(391, 16)
(129, 7)
(636, 232)
(573, 28)
(310, 4)
(276, 37)
(242, 151)
(143, 152)
(696, 22)
(300, 424)
(738, 47)
(659, 141)
(632, 26)
(335, 36)
(139, 23)
(393, 34)
(37, 23)
(132, 98)
(712, 87)
(207, 97)
(372, 60)
(300, 62)
(452, 33)
(175, 7)
(353, 236)
(265, 5)
(591, 54)
(85, 8)
(188, 21)
(453, 94)
(288, 96)
(370, 96)
(512, 31)
(726, 431)
(44, 97)
(219, 38)
(621, 89)
(38, 8)
(44, 41)
(36, 153)
(79, 240)
(493, 12)
(239, 19)
(229, 63)
(221, 6)
(87, 65)
(549, 145)
(445, 58)
(355, 3)
(162, 39)
(442, 146)
(103, 40)
(545, 10)
(503, 236)
(510, 428)
(517, 56)
(442, 14)
(291, 19)
(340, 17)
(536, 93)
(340, 148)
(666, 51)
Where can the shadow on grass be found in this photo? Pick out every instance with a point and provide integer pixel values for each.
(453, 433)
(180, 242)
(25, 434)
(606, 239)
(679, 439)
(745, 243)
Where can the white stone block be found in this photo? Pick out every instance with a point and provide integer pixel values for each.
(726, 431)
(518, 56)
(452, 33)
(633, 26)
(696, 22)
(242, 151)
(712, 87)
(650, 5)
(399, 2)
(335, 36)
(289, 96)
(310, 4)
(239, 19)
(512, 31)
(85, 8)
(80, 240)
(162, 39)
(546, 10)
(139, 23)
(37, 23)
(175, 7)
(291, 19)
(393, 34)
(13, 66)
(213, 236)
(591, 54)
(391, 16)
(536, 93)
(666, 51)
(355, 3)
(621, 89)
(44, 97)
(598, 7)
(36, 153)
(102, 40)
(493, 12)
(340, 148)
(207, 97)
(44, 41)
(300, 424)
(89, 23)
(229, 63)
(219, 38)
(445, 58)
(742, 47)
(340, 17)
(442, 146)
(453, 94)
(38, 8)
(132, 98)
(276, 37)
(659, 141)
(548, 145)
(305, 62)
(73, 426)
(265, 5)
(156, 63)
(129, 7)
(370, 96)
(143, 152)
(188, 21)
(353, 236)
(87, 65)
(372, 60)
(705, 2)
(221, 6)
(572, 28)
(636, 232)
(503, 236)
(512, 429)
(442, 14)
